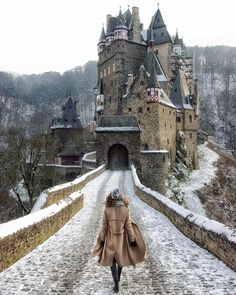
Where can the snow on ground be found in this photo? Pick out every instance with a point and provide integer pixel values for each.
(64, 265)
(22, 191)
(199, 178)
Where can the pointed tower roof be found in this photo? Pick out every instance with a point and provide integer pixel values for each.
(102, 36)
(121, 21)
(153, 81)
(128, 17)
(70, 118)
(177, 40)
(180, 92)
(160, 33)
(158, 21)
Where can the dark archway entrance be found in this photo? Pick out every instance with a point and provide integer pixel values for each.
(118, 157)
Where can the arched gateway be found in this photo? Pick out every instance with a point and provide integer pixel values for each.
(118, 157)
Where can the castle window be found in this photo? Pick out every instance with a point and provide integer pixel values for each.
(149, 93)
(163, 110)
(164, 159)
(170, 126)
(168, 141)
(170, 112)
(138, 95)
(162, 34)
(178, 119)
(190, 118)
(110, 99)
(190, 135)
(165, 125)
(140, 110)
(141, 82)
(148, 109)
(121, 99)
(175, 89)
(156, 93)
(130, 109)
(156, 51)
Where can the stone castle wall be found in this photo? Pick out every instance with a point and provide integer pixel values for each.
(209, 234)
(154, 169)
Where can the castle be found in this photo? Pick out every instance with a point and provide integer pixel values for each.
(147, 95)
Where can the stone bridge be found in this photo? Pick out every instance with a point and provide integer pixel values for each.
(63, 263)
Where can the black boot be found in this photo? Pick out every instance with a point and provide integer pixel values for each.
(115, 276)
(119, 273)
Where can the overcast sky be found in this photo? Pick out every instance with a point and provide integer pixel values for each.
(57, 35)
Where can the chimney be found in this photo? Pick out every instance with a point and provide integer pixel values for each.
(136, 25)
(108, 19)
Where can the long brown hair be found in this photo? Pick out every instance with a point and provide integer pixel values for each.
(110, 202)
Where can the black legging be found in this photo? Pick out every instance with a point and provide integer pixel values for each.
(116, 273)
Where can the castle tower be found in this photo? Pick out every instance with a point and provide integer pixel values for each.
(187, 121)
(119, 58)
(162, 42)
(121, 30)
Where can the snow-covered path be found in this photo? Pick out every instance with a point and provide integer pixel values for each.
(63, 264)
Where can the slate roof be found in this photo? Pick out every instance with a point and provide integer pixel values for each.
(153, 61)
(70, 151)
(180, 92)
(157, 30)
(128, 17)
(102, 36)
(111, 25)
(118, 124)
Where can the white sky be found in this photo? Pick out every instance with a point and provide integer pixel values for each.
(57, 35)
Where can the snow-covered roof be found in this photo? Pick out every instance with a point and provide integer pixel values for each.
(154, 152)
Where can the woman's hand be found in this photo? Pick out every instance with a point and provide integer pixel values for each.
(133, 244)
(102, 243)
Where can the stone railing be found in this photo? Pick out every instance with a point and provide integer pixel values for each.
(89, 161)
(19, 237)
(217, 238)
(58, 192)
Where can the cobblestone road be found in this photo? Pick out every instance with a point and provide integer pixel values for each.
(63, 264)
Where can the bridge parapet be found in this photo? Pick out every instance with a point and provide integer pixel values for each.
(89, 161)
(216, 237)
(20, 236)
(54, 194)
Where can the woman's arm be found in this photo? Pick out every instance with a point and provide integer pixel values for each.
(103, 230)
(128, 227)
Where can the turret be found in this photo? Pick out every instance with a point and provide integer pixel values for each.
(121, 30)
(153, 87)
(102, 41)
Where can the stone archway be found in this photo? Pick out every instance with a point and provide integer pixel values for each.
(118, 157)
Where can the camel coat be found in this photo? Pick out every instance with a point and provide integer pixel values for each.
(118, 231)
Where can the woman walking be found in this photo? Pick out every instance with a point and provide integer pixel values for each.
(119, 242)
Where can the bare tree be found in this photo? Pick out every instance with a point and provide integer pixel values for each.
(19, 159)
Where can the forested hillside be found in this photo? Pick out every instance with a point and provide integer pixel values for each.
(33, 100)
(216, 71)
